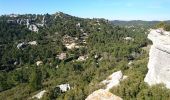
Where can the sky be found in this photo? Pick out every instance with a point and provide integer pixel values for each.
(108, 9)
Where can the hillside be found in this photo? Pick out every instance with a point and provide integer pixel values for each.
(66, 58)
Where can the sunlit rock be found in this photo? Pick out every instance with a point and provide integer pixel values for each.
(129, 39)
(113, 80)
(38, 63)
(32, 42)
(21, 45)
(159, 58)
(64, 87)
(62, 56)
(102, 95)
(39, 95)
(82, 58)
(33, 28)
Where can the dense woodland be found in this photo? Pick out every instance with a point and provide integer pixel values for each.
(21, 78)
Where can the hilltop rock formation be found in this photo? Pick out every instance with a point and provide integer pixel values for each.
(159, 58)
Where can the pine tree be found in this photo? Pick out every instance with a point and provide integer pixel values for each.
(36, 79)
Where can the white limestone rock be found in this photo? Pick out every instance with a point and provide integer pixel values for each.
(64, 87)
(21, 45)
(96, 56)
(43, 21)
(102, 95)
(82, 58)
(39, 95)
(62, 56)
(33, 28)
(24, 44)
(38, 63)
(110, 82)
(57, 67)
(18, 21)
(113, 80)
(15, 63)
(28, 23)
(32, 43)
(78, 25)
(129, 39)
(130, 63)
(70, 46)
(159, 58)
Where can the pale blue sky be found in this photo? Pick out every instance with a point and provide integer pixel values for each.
(109, 9)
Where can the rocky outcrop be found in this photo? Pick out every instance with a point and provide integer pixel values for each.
(32, 43)
(113, 80)
(40, 94)
(82, 58)
(62, 56)
(159, 58)
(33, 28)
(25, 44)
(64, 87)
(21, 45)
(102, 95)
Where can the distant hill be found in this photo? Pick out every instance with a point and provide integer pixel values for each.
(136, 23)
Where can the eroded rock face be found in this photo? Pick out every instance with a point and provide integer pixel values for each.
(102, 95)
(159, 58)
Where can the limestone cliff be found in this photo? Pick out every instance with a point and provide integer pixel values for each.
(159, 58)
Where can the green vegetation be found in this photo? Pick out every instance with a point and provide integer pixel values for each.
(163, 25)
(21, 78)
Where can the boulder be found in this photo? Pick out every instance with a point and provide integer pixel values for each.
(32, 43)
(70, 46)
(82, 58)
(38, 63)
(39, 95)
(78, 25)
(62, 56)
(129, 39)
(130, 63)
(64, 87)
(102, 95)
(113, 80)
(21, 45)
(159, 58)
